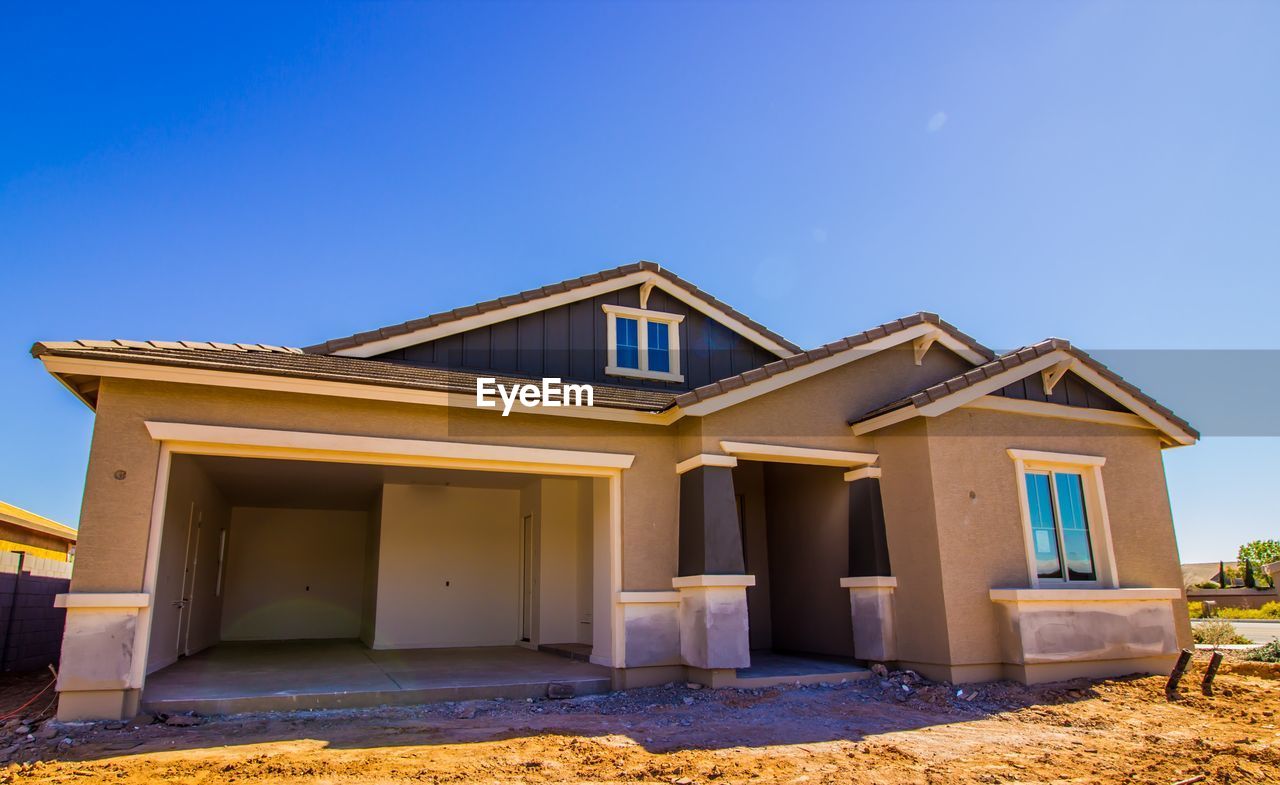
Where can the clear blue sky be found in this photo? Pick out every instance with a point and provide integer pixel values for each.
(1105, 172)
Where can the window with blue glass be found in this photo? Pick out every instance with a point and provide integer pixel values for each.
(1059, 526)
(659, 346)
(628, 346)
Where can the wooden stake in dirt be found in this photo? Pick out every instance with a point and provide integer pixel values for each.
(1184, 659)
(1215, 660)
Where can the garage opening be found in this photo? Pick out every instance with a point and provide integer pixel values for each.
(794, 521)
(286, 583)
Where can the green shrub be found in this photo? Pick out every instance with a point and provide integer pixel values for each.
(1196, 610)
(1207, 585)
(1269, 611)
(1217, 633)
(1267, 653)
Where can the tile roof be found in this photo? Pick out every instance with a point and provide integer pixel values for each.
(294, 363)
(338, 344)
(754, 375)
(1010, 360)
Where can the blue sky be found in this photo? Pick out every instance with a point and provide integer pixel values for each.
(1105, 172)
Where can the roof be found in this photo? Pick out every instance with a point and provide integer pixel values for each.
(1010, 361)
(294, 363)
(845, 344)
(543, 292)
(16, 516)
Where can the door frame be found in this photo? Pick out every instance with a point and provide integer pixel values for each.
(236, 442)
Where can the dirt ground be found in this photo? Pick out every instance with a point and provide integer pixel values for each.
(895, 730)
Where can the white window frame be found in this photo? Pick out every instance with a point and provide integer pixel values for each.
(1089, 467)
(643, 317)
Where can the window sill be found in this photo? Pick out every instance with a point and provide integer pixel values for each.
(636, 373)
(1084, 595)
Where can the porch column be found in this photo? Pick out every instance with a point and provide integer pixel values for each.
(711, 583)
(870, 583)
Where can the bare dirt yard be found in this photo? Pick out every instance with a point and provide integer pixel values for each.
(894, 730)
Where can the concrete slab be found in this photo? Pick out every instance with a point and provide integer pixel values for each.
(275, 676)
(770, 667)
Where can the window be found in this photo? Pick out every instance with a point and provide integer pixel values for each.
(1059, 526)
(643, 344)
(628, 342)
(1065, 519)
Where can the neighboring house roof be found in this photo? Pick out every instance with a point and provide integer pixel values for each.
(1020, 363)
(293, 363)
(542, 298)
(16, 516)
(958, 341)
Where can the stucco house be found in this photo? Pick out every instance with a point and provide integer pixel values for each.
(24, 531)
(726, 507)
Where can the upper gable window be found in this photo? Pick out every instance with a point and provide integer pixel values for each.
(643, 344)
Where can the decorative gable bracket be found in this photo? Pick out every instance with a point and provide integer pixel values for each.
(1053, 374)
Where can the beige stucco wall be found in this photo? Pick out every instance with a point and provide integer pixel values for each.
(816, 412)
(958, 465)
(560, 553)
(117, 513)
(294, 574)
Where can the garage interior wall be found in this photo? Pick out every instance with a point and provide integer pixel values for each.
(295, 574)
(448, 567)
(195, 516)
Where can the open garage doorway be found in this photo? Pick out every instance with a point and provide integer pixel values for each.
(794, 521)
(292, 583)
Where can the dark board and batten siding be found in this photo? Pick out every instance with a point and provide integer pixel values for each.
(568, 342)
(1070, 391)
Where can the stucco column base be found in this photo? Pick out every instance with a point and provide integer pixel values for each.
(874, 625)
(713, 620)
(80, 705)
(98, 677)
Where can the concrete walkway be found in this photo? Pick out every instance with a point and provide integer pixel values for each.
(282, 675)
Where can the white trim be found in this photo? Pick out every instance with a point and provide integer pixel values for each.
(869, 582)
(706, 459)
(643, 313)
(921, 345)
(641, 277)
(100, 600)
(780, 453)
(649, 597)
(288, 384)
(642, 319)
(885, 420)
(1050, 377)
(1000, 403)
(802, 372)
(1056, 458)
(635, 373)
(150, 577)
(1106, 574)
(1084, 595)
(865, 473)
(712, 581)
(189, 438)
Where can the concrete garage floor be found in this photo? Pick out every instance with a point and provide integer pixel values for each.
(285, 675)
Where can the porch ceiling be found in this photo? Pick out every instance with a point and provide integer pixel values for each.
(264, 482)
